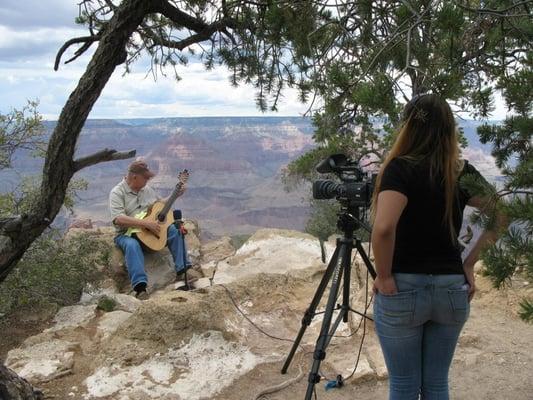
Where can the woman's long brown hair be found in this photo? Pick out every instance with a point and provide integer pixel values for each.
(428, 133)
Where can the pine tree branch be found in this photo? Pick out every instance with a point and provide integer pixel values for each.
(180, 18)
(499, 13)
(182, 44)
(513, 192)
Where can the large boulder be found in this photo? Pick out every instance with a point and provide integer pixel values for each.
(110, 322)
(159, 266)
(271, 251)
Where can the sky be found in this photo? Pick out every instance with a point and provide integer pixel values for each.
(32, 31)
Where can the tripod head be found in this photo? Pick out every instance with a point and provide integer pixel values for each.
(349, 220)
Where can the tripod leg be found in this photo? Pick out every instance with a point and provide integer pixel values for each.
(365, 258)
(347, 267)
(324, 337)
(345, 308)
(310, 312)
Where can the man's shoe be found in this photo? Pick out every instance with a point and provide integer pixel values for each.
(142, 295)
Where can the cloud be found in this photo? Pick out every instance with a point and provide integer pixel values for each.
(198, 93)
(484, 162)
(29, 42)
(31, 15)
(43, 43)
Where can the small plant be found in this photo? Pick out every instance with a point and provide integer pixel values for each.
(53, 271)
(107, 304)
(238, 240)
(526, 312)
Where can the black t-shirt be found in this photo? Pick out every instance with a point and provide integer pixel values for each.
(423, 244)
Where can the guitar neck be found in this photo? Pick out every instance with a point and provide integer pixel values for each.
(169, 202)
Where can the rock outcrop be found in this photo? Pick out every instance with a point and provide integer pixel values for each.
(241, 318)
(192, 345)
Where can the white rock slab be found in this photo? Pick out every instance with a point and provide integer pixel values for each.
(43, 361)
(198, 370)
(110, 322)
(73, 317)
(272, 251)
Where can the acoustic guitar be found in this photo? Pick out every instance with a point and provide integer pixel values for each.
(161, 213)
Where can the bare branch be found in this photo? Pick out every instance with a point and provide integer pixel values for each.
(87, 40)
(101, 156)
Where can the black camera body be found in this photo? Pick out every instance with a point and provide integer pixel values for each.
(356, 187)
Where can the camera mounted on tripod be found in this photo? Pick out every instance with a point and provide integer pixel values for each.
(354, 192)
(356, 187)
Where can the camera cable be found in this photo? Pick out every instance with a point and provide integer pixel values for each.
(282, 385)
(338, 382)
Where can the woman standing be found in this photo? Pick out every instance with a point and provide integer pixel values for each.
(423, 288)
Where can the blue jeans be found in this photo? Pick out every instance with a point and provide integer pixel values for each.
(418, 329)
(133, 254)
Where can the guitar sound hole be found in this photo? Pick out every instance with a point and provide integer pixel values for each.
(161, 218)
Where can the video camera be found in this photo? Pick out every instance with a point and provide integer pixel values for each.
(356, 188)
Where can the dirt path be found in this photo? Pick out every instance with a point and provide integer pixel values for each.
(493, 361)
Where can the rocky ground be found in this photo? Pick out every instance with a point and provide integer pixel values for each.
(229, 338)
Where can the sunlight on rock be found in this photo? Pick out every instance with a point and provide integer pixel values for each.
(199, 369)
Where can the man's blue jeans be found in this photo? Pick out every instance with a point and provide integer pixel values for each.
(418, 329)
(133, 254)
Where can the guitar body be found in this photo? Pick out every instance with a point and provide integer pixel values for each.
(150, 240)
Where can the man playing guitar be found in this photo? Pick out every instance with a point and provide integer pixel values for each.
(133, 197)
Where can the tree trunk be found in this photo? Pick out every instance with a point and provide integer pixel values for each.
(18, 233)
(13, 387)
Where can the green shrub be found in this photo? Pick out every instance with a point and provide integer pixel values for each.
(54, 271)
(526, 312)
(238, 240)
(106, 304)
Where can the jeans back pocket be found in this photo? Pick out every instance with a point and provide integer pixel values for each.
(397, 309)
(459, 304)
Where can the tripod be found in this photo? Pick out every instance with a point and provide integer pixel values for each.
(339, 266)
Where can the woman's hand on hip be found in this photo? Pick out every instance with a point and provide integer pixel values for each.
(385, 285)
(468, 268)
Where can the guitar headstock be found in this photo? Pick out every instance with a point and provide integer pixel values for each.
(183, 177)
